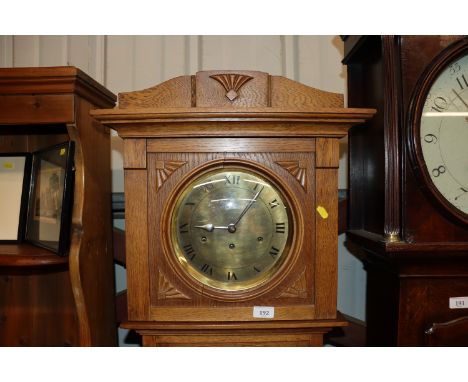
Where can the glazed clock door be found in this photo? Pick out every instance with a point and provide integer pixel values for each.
(230, 228)
(227, 228)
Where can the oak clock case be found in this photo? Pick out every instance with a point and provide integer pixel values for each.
(439, 131)
(224, 172)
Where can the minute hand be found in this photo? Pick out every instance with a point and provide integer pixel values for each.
(252, 201)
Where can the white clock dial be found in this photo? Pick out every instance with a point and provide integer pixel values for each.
(444, 133)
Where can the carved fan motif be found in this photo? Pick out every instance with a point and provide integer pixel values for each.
(231, 83)
(164, 169)
(166, 290)
(296, 169)
(298, 289)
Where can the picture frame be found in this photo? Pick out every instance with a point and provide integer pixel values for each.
(15, 171)
(50, 198)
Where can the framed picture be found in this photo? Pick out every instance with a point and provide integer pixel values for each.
(14, 184)
(50, 198)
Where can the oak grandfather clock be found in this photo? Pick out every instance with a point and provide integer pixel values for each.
(231, 209)
(408, 185)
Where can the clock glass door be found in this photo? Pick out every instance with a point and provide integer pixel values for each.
(231, 228)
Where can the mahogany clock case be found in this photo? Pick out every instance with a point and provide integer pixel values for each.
(413, 246)
(391, 198)
(426, 216)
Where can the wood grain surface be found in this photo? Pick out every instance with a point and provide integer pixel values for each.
(134, 155)
(136, 244)
(49, 300)
(230, 145)
(15, 255)
(203, 91)
(326, 273)
(173, 93)
(29, 109)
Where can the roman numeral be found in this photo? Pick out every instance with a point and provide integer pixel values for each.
(274, 251)
(232, 179)
(207, 187)
(189, 251)
(183, 228)
(462, 82)
(207, 269)
(274, 203)
(280, 227)
(231, 276)
(256, 269)
(255, 187)
(190, 204)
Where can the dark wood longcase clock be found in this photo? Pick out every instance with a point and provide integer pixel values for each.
(231, 209)
(408, 184)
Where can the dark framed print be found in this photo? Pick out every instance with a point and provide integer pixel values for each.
(50, 198)
(14, 184)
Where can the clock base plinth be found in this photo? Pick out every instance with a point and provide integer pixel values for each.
(256, 333)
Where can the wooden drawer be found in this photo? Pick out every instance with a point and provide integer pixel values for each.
(40, 109)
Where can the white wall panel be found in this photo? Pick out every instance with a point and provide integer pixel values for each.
(6, 51)
(174, 57)
(78, 52)
(120, 63)
(148, 61)
(193, 58)
(309, 57)
(97, 58)
(52, 50)
(289, 57)
(242, 52)
(319, 62)
(25, 51)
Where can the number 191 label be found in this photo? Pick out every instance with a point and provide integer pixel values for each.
(263, 312)
(458, 302)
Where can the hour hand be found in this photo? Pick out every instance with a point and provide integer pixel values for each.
(210, 227)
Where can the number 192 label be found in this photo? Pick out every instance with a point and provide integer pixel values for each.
(263, 312)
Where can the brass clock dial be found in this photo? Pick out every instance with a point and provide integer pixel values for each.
(443, 133)
(231, 228)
